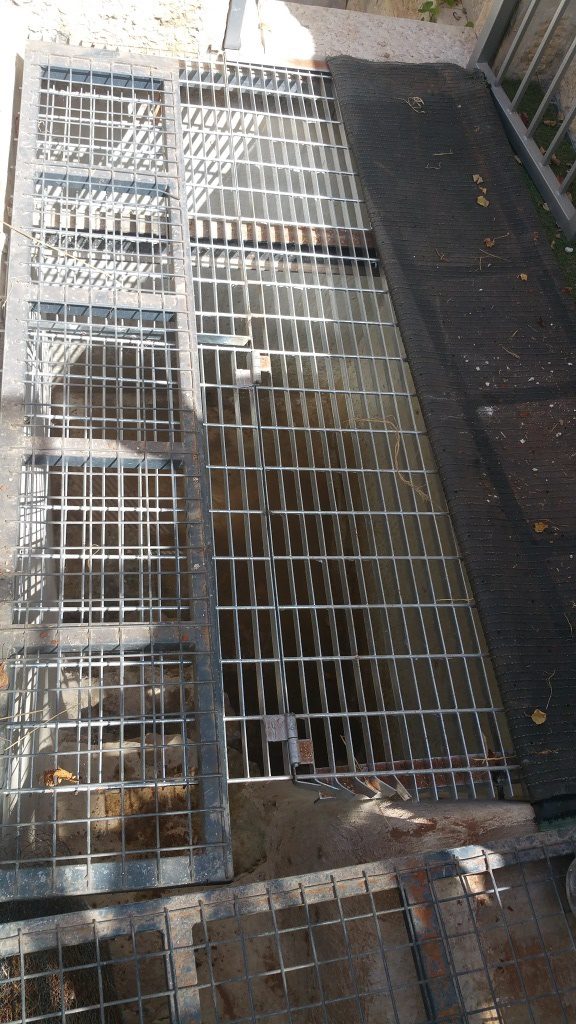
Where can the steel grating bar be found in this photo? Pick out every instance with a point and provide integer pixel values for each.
(316, 948)
(344, 606)
(113, 758)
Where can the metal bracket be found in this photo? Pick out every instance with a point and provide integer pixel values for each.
(259, 363)
(284, 729)
(233, 37)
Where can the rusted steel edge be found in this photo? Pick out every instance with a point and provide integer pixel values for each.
(436, 975)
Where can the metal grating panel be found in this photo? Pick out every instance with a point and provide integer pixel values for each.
(112, 758)
(103, 373)
(469, 935)
(344, 606)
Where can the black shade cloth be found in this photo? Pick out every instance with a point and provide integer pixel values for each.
(490, 337)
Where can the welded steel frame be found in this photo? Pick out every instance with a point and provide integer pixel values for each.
(112, 162)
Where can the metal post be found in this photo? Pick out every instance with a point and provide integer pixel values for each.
(492, 33)
(233, 36)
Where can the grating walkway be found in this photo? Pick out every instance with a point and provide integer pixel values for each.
(113, 760)
(347, 625)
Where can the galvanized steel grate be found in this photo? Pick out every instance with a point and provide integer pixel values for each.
(347, 625)
(113, 759)
(466, 935)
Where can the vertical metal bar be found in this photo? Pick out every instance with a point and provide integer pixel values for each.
(539, 51)
(233, 35)
(515, 43)
(492, 32)
(211, 699)
(551, 90)
(522, 138)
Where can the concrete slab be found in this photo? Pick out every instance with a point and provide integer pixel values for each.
(286, 32)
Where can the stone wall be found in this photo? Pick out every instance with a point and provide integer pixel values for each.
(169, 27)
(460, 14)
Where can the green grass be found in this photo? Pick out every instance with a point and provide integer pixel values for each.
(565, 155)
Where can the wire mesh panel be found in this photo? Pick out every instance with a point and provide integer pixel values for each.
(112, 754)
(105, 234)
(92, 116)
(467, 935)
(346, 620)
(103, 540)
(107, 374)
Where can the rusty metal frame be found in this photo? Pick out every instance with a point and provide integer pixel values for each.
(427, 892)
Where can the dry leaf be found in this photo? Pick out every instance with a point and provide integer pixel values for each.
(477, 179)
(538, 716)
(482, 201)
(523, 277)
(56, 775)
(3, 676)
(489, 243)
(540, 526)
(417, 104)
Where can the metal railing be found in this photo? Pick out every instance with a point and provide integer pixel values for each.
(526, 51)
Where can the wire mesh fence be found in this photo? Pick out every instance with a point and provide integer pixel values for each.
(113, 759)
(343, 602)
(469, 935)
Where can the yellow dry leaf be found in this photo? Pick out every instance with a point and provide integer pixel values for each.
(3, 676)
(482, 201)
(477, 179)
(523, 277)
(489, 243)
(55, 775)
(540, 526)
(483, 190)
(538, 716)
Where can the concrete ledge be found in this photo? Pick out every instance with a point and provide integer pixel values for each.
(291, 33)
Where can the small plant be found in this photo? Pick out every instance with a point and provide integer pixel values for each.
(432, 8)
